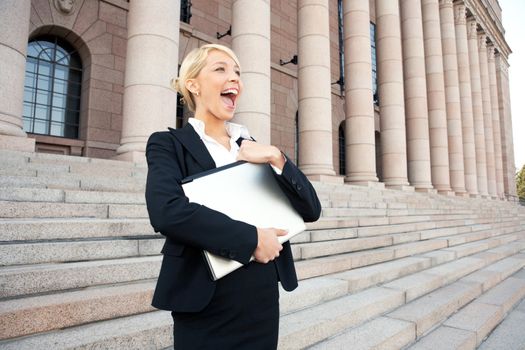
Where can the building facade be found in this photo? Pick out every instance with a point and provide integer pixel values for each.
(408, 94)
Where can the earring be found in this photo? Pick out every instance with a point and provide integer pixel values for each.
(197, 93)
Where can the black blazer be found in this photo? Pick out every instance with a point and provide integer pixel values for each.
(184, 283)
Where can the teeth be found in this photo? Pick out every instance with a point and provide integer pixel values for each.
(230, 91)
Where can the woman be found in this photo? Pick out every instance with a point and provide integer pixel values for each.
(241, 310)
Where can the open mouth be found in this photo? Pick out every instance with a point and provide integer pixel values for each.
(229, 96)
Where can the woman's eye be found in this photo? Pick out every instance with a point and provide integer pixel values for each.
(238, 72)
(219, 69)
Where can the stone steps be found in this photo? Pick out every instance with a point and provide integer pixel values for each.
(80, 260)
(469, 326)
(435, 313)
(81, 228)
(71, 308)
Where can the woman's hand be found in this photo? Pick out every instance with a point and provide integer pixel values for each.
(268, 246)
(254, 152)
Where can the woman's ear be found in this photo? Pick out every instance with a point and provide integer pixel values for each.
(192, 86)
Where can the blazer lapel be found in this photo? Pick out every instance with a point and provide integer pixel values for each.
(194, 145)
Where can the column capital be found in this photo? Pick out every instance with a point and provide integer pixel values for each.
(445, 3)
(482, 40)
(460, 13)
(472, 28)
(490, 51)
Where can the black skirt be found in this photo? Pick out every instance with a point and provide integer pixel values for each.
(243, 313)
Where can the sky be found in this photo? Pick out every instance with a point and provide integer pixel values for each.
(512, 17)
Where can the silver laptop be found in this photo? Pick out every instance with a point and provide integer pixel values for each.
(245, 192)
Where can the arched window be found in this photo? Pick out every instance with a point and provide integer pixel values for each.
(52, 88)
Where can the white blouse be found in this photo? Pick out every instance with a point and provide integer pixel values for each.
(221, 156)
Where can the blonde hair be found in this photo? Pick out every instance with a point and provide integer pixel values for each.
(191, 67)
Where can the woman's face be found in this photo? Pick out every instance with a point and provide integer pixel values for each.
(219, 86)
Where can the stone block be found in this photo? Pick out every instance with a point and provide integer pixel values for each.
(383, 230)
(469, 248)
(327, 235)
(507, 266)
(380, 333)
(447, 338)
(367, 276)
(49, 312)
(307, 327)
(136, 211)
(488, 279)
(508, 335)
(149, 330)
(439, 257)
(44, 210)
(476, 317)
(506, 294)
(104, 197)
(54, 252)
(39, 229)
(31, 195)
(373, 221)
(454, 270)
(311, 250)
(408, 249)
(311, 292)
(416, 285)
(45, 278)
(433, 308)
(331, 223)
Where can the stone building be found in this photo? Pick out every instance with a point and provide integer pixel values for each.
(397, 109)
(411, 95)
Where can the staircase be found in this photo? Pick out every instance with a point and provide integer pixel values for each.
(381, 269)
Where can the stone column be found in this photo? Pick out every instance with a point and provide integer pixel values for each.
(150, 103)
(500, 191)
(14, 32)
(418, 144)
(509, 169)
(487, 113)
(437, 115)
(450, 68)
(477, 107)
(359, 105)
(315, 106)
(465, 92)
(251, 42)
(390, 87)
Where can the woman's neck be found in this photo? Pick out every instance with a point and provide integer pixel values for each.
(213, 126)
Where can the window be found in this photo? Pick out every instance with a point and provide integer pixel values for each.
(374, 62)
(52, 88)
(185, 11)
(342, 150)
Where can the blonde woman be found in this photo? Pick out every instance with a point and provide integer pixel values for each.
(241, 310)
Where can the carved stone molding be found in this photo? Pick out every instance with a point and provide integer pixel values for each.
(460, 14)
(445, 3)
(482, 40)
(65, 6)
(490, 52)
(472, 28)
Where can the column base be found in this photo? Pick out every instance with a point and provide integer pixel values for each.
(134, 156)
(405, 188)
(474, 195)
(462, 194)
(369, 184)
(427, 190)
(17, 143)
(332, 179)
(447, 193)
